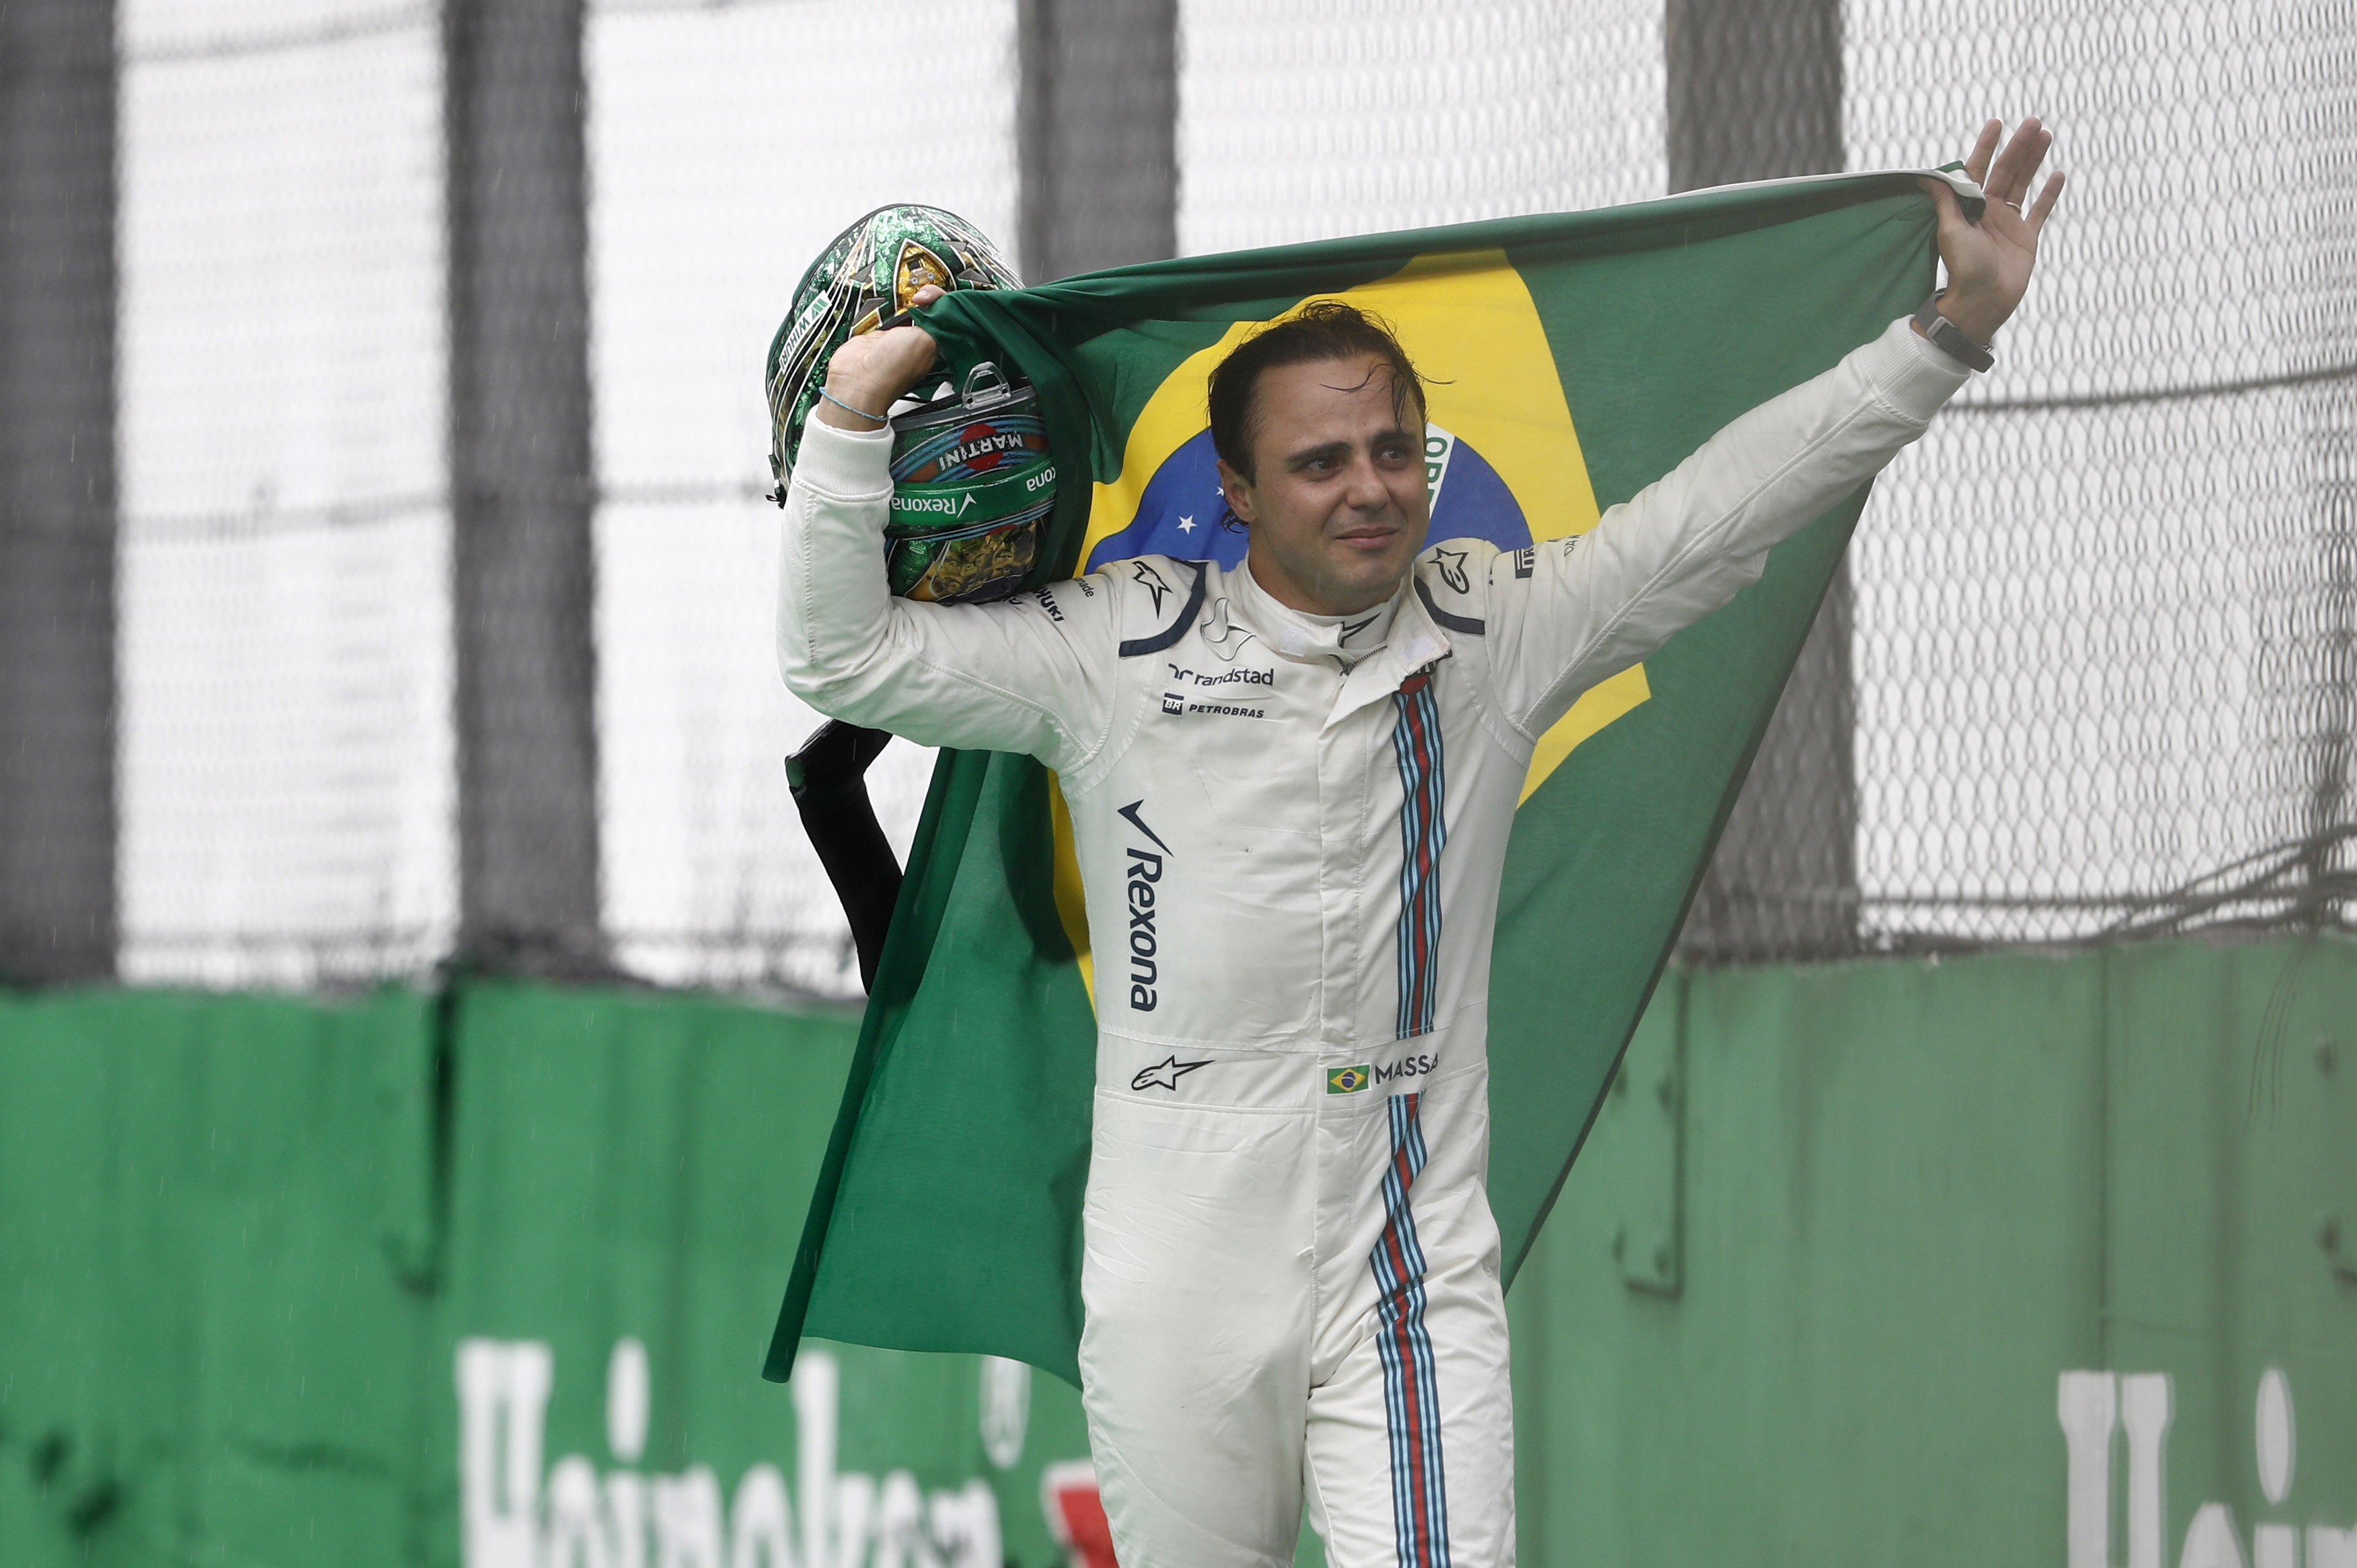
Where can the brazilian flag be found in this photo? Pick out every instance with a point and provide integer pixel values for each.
(1574, 360)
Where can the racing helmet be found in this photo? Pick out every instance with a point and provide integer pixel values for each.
(973, 481)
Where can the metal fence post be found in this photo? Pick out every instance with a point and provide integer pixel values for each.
(1097, 133)
(58, 198)
(1755, 93)
(522, 484)
(2332, 503)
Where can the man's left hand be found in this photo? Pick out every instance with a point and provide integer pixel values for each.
(1989, 263)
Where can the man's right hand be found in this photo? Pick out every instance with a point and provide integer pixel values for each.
(877, 369)
(1989, 261)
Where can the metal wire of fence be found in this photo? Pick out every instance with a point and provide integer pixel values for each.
(2102, 641)
(284, 746)
(2106, 608)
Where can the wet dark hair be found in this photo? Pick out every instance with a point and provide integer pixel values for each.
(1324, 329)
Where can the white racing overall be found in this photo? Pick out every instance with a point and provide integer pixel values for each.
(1291, 830)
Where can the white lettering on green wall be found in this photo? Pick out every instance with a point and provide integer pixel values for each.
(515, 1516)
(2093, 1407)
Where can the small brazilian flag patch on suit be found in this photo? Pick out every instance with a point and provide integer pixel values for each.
(1346, 1079)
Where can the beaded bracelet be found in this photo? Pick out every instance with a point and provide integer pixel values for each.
(878, 418)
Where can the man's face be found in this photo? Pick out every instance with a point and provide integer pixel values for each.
(1337, 505)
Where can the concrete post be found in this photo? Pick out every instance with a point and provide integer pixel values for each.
(521, 478)
(57, 199)
(1097, 135)
(2332, 750)
(1755, 93)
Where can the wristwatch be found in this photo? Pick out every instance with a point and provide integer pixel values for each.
(1950, 338)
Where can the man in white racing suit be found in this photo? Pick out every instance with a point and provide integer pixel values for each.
(1290, 786)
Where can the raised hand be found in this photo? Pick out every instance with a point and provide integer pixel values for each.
(871, 370)
(1989, 263)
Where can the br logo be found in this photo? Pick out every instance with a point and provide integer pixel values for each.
(1179, 511)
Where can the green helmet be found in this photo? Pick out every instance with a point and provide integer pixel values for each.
(869, 272)
(972, 484)
(971, 488)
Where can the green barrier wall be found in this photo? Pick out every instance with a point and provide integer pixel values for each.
(289, 1283)
(1899, 1209)
(1899, 1262)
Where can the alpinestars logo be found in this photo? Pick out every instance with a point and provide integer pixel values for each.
(1166, 1073)
(1152, 581)
(1144, 872)
(1452, 569)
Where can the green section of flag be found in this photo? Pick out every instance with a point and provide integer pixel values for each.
(947, 1214)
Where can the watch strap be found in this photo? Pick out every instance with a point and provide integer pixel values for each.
(1950, 338)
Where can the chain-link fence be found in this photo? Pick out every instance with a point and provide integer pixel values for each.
(2099, 658)
(728, 144)
(284, 740)
(2104, 609)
